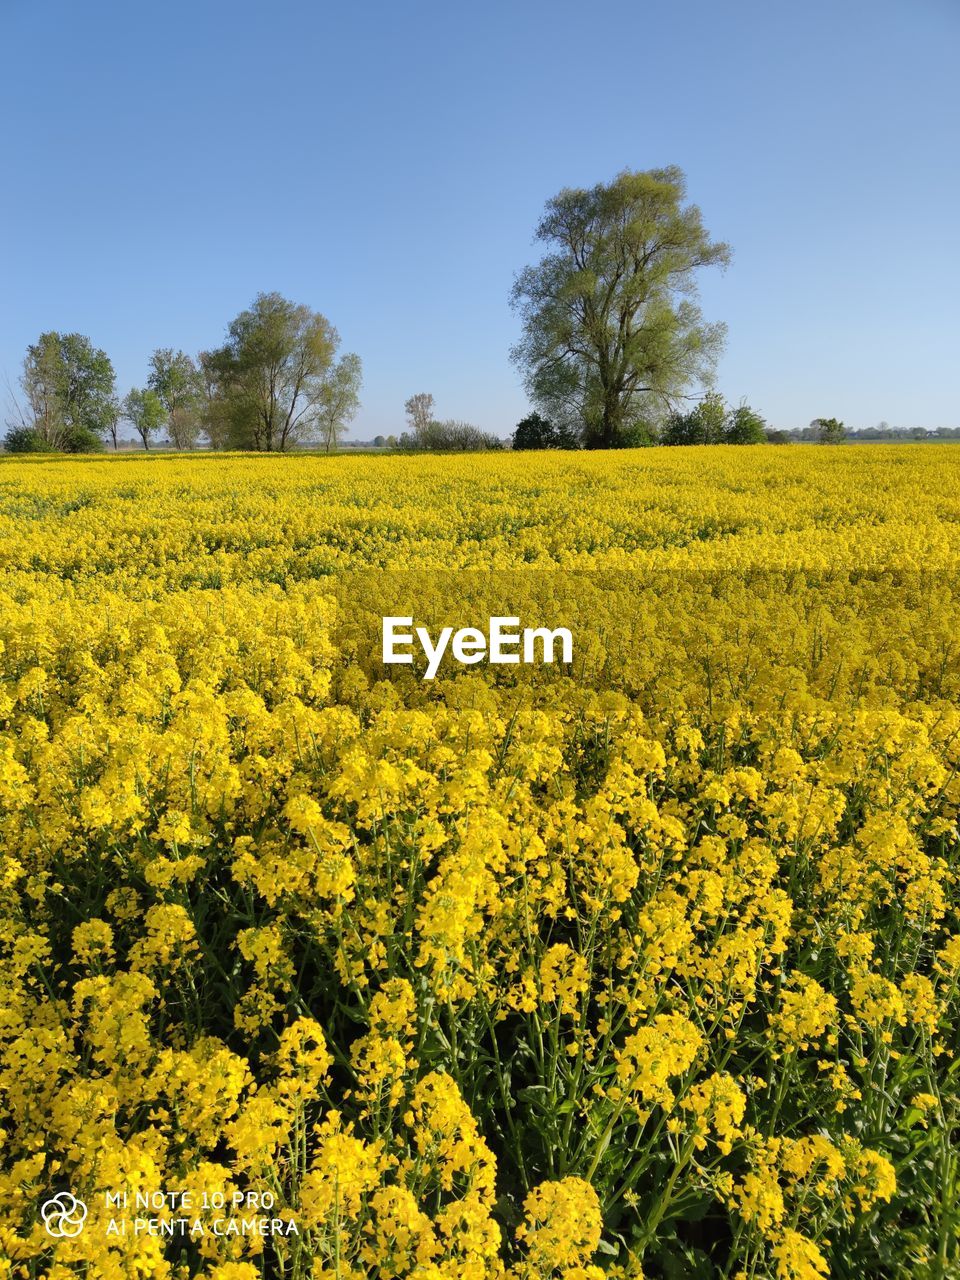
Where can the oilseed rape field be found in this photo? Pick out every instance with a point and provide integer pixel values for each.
(644, 964)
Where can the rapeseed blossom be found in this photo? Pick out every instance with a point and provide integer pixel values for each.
(646, 961)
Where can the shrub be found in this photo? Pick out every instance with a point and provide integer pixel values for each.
(705, 423)
(712, 422)
(641, 435)
(81, 440)
(450, 436)
(26, 440)
(73, 440)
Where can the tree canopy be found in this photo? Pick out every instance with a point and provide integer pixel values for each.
(829, 430)
(175, 380)
(339, 399)
(267, 385)
(69, 388)
(144, 410)
(419, 411)
(610, 325)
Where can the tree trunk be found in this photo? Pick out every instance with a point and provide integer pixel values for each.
(611, 424)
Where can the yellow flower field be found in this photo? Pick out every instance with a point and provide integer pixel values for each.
(645, 965)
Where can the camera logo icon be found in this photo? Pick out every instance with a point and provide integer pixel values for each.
(63, 1215)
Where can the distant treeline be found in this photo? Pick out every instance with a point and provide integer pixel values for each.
(711, 421)
(880, 432)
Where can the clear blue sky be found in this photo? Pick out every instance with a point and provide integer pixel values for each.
(387, 163)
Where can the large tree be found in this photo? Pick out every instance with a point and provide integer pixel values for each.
(611, 331)
(69, 388)
(175, 379)
(267, 384)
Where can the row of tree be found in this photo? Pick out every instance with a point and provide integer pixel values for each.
(276, 381)
(612, 340)
(882, 432)
(711, 421)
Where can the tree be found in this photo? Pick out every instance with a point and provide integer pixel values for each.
(175, 379)
(144, 410)
(339, 399)
(265, 385)
(536, 432)
(745, 426)
(214, 409)
(69, 388)
(43, 381)
(419, 409)
(610, 329)
(113, 417)
(828, 430)
(705, 423)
